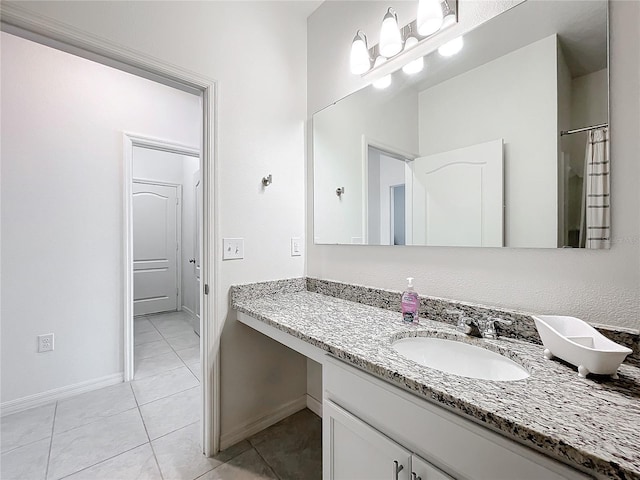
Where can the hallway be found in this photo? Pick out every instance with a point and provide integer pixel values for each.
(150, 428)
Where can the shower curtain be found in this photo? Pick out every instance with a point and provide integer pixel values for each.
(596, 217)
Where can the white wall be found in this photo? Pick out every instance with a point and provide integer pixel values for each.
(598, 286)
(261, 73)
(156, 165)
(62, 123)
(475, 107)
(383, 117)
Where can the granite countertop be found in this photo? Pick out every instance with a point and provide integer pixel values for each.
(592, 424)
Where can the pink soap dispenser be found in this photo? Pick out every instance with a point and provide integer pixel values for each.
(410, 303)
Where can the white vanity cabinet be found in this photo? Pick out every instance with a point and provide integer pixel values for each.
(369, 425)
(353, 450)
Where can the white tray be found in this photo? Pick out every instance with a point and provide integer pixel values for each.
(575, 341)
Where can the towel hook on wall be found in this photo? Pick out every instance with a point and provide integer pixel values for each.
(266, 181)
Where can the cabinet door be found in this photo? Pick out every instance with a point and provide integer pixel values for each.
(352, 450)
(423, 470)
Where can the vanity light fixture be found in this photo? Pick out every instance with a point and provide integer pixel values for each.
(430, 17)
(416, 65)
(451, 47)
(433, 16)
(390, 37)
(449, 16)
(385, 81)
(360, 61)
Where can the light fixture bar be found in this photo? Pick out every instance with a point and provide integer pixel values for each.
(450, 10)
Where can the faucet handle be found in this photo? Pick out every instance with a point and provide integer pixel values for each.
(462, 324)
(466, 325)
(488, 326)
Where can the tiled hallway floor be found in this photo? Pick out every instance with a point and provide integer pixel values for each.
(149, 428)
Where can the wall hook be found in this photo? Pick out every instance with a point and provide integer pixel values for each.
(339, 191)
(266, 181)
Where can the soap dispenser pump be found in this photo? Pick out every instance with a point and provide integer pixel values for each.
(410, 303)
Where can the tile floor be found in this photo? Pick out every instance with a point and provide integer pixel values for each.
(150, 428)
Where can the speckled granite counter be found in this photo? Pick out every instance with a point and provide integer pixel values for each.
(592, 424)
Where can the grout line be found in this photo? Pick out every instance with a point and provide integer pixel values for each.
(53, 425)
(265, 462)
(174, 431)
(102, 461)
(171, 395)
(153, 451)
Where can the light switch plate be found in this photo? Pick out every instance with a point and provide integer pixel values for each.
(296, 246)
(233, 248)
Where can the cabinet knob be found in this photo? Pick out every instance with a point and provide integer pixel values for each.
(399, 468)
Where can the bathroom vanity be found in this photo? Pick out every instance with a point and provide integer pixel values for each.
(385, 416)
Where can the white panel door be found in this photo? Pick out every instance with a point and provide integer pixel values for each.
(197, 236)
(458, 197)
(155, 248)
(353, 450)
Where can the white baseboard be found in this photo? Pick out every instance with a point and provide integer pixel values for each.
(30, 401)
(314, 405)
(191, 313)
(258, 424)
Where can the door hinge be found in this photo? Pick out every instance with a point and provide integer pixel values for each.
(206, 289)
(177, 291)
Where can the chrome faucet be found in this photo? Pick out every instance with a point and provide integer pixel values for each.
(488, 326)
(466, 325)
(485, 327)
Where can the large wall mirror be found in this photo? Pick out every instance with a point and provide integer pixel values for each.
(504, 144)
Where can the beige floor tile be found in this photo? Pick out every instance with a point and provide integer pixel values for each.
(189, 355)
(26, 463)
(136, 464)
(180, 455)
(184, 341)
(26, 427)
(172, 413)
(85, 446)
(163, 385)
(246, 466)
(89, 407)
(148, 367)
(152, 349)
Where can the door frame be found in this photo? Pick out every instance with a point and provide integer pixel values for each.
(178, 188)
(46, 31)
(401, 155)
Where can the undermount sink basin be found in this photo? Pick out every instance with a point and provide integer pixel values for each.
(459, 358)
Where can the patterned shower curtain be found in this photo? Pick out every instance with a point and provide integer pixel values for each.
(595, 229)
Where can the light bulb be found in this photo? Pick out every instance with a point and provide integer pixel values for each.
(430, 17)
(416, 65)
(451, 47)
(360, 61)
(390, 38)
(385, 81)
(449, 19)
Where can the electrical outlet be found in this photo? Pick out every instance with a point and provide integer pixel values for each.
(296, 246)
(45, 342)
(233, 248)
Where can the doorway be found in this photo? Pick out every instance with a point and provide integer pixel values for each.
(84, 45)
(165, 221)
(163, 236)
